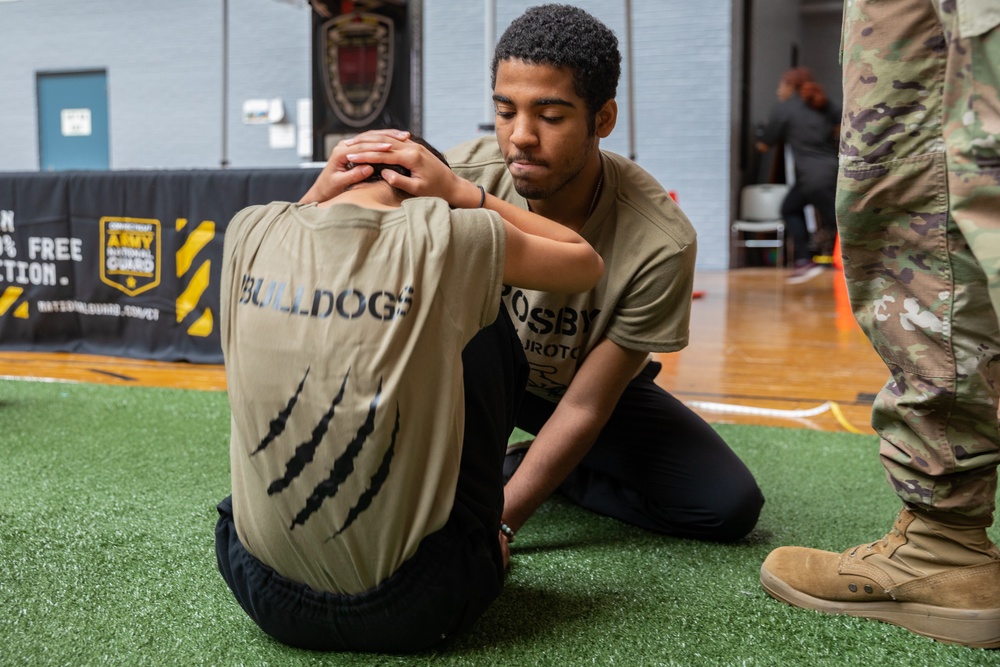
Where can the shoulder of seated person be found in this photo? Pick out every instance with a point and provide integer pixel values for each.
(481, 150)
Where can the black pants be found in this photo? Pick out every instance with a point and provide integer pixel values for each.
(824, 201)
(456, 572)
(658, 465)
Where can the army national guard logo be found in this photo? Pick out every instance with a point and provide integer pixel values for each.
(130, 253)
(358, 58)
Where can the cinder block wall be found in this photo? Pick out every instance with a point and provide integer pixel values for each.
(164, 65)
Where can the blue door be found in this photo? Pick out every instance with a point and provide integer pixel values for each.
(73, 121)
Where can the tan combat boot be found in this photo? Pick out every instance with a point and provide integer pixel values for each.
(941, 581)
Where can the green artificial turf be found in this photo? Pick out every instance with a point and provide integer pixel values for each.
(107, 508)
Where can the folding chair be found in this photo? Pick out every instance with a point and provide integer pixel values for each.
(760, 215)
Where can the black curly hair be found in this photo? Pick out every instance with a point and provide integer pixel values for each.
(565, 36)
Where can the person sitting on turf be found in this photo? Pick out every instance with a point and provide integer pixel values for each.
(373, 376)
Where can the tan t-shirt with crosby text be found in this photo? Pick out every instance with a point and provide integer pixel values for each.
(642, 303)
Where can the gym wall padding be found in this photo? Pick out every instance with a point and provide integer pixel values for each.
(123, 263)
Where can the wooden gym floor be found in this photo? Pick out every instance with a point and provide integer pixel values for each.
(761, 352)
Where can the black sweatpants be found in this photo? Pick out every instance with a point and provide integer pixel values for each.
(456, 572)
(793, 213)
(658, 465)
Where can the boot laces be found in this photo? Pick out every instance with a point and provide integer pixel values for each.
(883, 542)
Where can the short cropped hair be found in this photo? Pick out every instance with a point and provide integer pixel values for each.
(376, 175)
(565, 36)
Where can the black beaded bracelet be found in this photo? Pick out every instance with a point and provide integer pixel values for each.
(482, 200)
(508, 532)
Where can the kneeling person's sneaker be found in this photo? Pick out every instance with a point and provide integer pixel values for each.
(934, 579)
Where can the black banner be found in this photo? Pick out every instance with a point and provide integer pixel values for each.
(123, 263)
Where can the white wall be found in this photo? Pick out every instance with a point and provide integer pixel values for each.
(164, 64)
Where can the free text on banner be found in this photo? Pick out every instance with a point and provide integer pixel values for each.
(123, 263)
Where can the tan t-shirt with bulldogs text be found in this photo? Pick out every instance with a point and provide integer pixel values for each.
(342, 331)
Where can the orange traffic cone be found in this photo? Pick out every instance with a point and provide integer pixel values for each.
(842, 301)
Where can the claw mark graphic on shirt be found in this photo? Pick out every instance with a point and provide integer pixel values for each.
(344, 464)
(374, 484)
(277, 426)
(305, 452)
(342, 467)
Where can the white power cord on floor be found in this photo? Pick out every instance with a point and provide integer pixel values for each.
(774, 412)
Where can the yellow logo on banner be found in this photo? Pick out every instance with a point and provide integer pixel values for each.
(187, 302)
(130, 253)
(9, 298)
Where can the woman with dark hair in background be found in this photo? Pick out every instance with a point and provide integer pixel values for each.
(809, 123)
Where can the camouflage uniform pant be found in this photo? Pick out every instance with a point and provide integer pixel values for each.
(918, 209)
